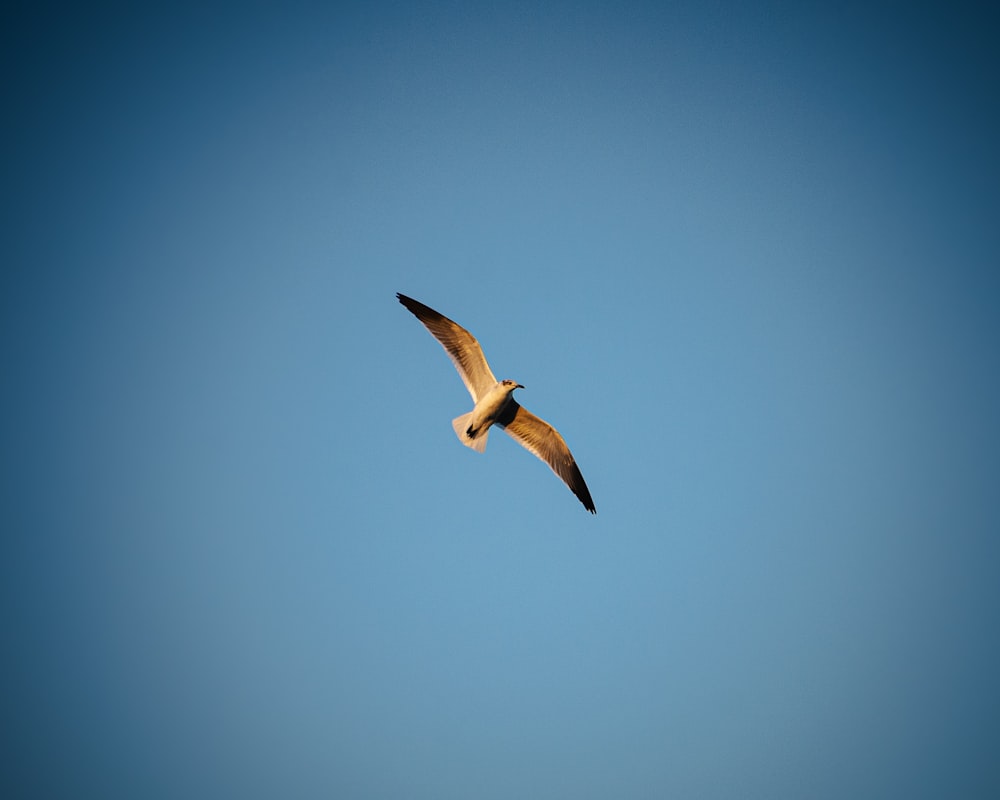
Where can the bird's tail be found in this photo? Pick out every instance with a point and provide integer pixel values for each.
(461, 426)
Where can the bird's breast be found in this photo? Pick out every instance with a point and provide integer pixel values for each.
(491, 404)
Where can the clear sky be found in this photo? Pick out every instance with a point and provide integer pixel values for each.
(744, 256)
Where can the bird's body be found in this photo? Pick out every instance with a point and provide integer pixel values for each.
(474, 427)
(495, 403)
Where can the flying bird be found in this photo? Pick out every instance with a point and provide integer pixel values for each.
(495, 403)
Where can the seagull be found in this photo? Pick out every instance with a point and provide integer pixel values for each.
(495, 403)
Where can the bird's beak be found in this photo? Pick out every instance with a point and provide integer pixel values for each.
(519, 386)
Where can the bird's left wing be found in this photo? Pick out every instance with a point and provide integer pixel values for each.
(536, 435)
(461, 346)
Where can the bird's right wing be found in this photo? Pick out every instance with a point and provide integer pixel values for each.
(460, 345)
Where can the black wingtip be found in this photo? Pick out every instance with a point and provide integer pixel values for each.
(417, 308)
(578, 486)
(411, 305)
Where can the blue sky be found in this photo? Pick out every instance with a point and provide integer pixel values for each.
(743, 256)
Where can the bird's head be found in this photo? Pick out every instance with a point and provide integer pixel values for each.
(510, 385)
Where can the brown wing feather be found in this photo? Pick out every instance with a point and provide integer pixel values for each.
(461, 346)
(536, 435)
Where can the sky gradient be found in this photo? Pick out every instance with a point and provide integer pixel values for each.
(743, 256)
